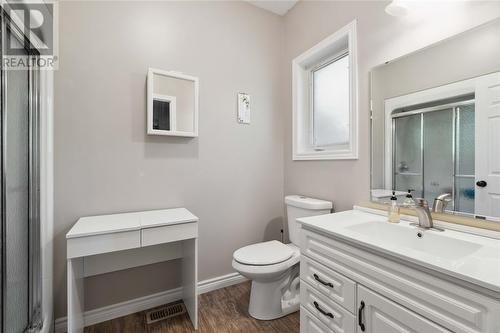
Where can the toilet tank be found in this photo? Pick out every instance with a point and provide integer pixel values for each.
(298, 206)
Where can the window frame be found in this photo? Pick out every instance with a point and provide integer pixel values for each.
(334, 47)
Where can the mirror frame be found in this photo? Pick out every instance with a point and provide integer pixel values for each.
(150, 92)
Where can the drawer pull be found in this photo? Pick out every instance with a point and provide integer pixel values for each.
(360, 316)
(317, 278)
(328, 314)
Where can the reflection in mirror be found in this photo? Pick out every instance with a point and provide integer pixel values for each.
(434, 153)
(436, 125)
(164, 113)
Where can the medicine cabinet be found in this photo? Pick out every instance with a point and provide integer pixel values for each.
(172, 104)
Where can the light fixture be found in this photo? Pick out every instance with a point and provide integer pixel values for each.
(396, 8)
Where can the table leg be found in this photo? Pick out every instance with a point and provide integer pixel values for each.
(190, 278)
(76, 303)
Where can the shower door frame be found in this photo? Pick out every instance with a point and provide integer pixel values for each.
(455, 108)
(34, 314)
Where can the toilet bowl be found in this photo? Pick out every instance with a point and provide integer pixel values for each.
(273, 266)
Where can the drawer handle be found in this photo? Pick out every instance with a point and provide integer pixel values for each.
(360, 316)
(328, 314)
(317, 278)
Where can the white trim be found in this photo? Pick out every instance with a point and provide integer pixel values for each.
(121, 309)
(47, 194)
(220, 282)
(301, 67)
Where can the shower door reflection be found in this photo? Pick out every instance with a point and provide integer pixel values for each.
(433, 153)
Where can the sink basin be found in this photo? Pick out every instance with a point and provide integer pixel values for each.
(472, 258)
(430, 242)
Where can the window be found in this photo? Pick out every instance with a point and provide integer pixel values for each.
(325, 99)
(330, 103)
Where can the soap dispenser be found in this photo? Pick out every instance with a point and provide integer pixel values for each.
(393, 209)
(408, 202)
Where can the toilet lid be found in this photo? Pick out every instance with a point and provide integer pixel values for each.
(260, 254)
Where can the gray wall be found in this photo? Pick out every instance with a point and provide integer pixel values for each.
(231, 176)
(380, 38)
(474, 53)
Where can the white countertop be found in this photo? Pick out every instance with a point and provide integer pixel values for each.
(468, 257)
(105, 224)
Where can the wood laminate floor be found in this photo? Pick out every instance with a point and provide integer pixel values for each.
(219, 311)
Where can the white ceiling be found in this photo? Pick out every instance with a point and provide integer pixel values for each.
(280, 7)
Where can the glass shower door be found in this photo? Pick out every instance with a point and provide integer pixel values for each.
(438, 153)
(16, 183)
(408, 154)
(434, 153)
(19, 188)
(465, 159)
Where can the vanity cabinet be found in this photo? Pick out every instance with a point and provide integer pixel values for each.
(348, 288)
(380, 315)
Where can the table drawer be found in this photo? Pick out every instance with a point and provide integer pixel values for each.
(168, 233)
(331, 314)
(310, 324)
(97, 244)
(332, 284)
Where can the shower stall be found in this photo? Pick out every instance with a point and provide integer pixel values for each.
(20, 260)
(433, 151)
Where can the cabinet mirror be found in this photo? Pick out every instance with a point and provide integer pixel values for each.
(172, 104)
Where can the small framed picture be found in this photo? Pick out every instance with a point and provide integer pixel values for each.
(243, 108)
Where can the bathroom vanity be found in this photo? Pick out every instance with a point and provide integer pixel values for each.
(360, 273)
(107, 243)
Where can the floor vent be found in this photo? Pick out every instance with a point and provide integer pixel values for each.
(165, 312)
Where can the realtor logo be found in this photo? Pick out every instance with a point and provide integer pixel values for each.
(32, 27)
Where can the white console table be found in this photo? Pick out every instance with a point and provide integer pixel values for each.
(107, 243)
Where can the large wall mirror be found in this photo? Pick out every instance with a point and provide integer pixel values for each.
(436, 125)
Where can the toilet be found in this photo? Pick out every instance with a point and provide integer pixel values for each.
(273, 266)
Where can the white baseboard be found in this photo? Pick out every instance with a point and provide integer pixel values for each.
(113, 311)
(219, 282)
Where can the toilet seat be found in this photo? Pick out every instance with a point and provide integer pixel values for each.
(269, 270)
(263, 254)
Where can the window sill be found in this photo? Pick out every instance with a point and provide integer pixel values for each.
(324, 155)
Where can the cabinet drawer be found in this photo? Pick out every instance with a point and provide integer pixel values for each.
(332, 284)
(310, 324)
(331, 314)
(457, 308)
(168, 233)
(97, 244)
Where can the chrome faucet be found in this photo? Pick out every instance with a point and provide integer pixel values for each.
(423, 213)
(440, 202)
